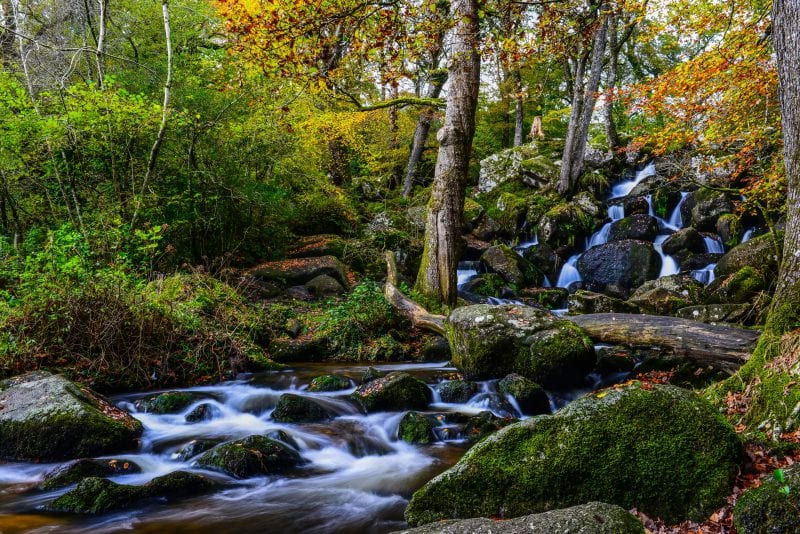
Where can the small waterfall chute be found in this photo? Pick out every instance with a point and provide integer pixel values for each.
(569, 273)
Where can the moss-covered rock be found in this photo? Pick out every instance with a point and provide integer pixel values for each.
(772, 507)
(642, 227)
(590, 518)
(293, 408)
(251, 456)
(46, 417)
(324, 285)
(66, 475)
(415, 428)
(202, 412)
(660, 449)
(99, 495)
(547, 297)
(708, 207)
(493, 341)
(301, 270)
(666, 295)
(485, 285)
(371, 374)
(617, 267)
(194, 448)
(740, 287)
(729, 228)
(394, 392)
(615, 360)
(565, 225)
(685, 239)
(472, 211)
(484, 424)
(760, 253)
(329, 383)
(457, 391)
(510, 266)
(164, 403)
(583, 301)
(530, 396)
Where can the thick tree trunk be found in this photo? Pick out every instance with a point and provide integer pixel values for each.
(415, 313)
(581, 118)
(421, 135)
(437, 273)
(784, 315)
(724, 347)
(612, 136)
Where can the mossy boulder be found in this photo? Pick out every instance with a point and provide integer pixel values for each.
(590, 518)
(684, 240)
(415, 428)
(642, 227)
(472, 211)
(493, 341)
(510, 266)
(530, 396)
(565, 225)
(543, 258)
(324, 285)
(165, 403)
(293, 408)
(318, 245)
(772, 507)
(329, 383)
(547, 297)
(760, 253)
(484, 424)
(45, 417)
(740, 287)
(68, 474)
(371, 374)
(617, 267)
(251, 456)
(202, 412)
(708, 207)
(298, 271)
(457, 391)
(666, 295)
(583, 301)
(660, 449)
(394, 392)
(729, 228)
(99, 495)
(485, 285)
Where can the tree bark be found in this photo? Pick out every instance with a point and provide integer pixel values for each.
(612, 136)
(415, 313)
(518, 108)
(784, 314)
(724, 347)
(437, 274)
(580, 119)
(101, 43)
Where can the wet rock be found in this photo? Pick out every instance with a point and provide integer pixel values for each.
(771, 507)
(493, 341)
(615, 360)
(693, 262)
(565, 225)
(729, 228)
(641, 227)
(252, 456)
(474, 248)
(666, 295)
(457, 391)
(194, 448)
(741, 287)
(396, 391)
(485, 423)
(550, 298)
(618, 267)
(661, 449)
(510, 266)
(759, 253)
(73, 472)
(202, 412)
(634, 205)
(718, 313)
(293, 408)
(165, 403)
(436, 349)
(530, 396)
(98, 495)
(686, 239)
(485, 285)
(544, 259)
(415, 428)
(583, 301)
(709, 206)
(371, 374)
(324, 286)
(329, 383)
(487, 229)
(298, 271)
(45, 417)
(590, 518)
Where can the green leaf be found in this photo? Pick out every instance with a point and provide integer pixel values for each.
(779, 476)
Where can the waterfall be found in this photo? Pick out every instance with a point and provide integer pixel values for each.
(668, 264)
(624, 188)
(705, 275)
(714, 244)
(748, 235)
(615, 213)
(676, 218)
(569, 273)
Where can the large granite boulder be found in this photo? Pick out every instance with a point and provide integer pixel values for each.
(759, 253)
(641, 226)
(661, 449)
(493, 341)
(45, 417)
(251, 456)
(618, 267)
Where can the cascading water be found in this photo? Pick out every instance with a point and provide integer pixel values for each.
(615, 213)
(714, 244)
(705, 275)
(676, 218)
(569, 273)
(623, 189)
(748, 235)
(669, 265)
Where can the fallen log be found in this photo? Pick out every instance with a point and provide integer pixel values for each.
(419, 316)
(724, 347)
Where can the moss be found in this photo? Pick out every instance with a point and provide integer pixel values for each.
(472, 210)
(251, 456)
(85, 468)
(774, 507)
(166, 403)
(554, 359)
(457, 391)
(393, 392)
(530, 396)
(659, 449)
(738, 288)
(297, 409)
(329, 383)
(488, 285)
(415, 428)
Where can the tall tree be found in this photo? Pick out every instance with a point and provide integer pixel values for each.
(437, 273)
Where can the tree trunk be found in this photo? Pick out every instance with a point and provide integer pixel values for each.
(421, 135)
(419, 316)
(580, 119)
(724, 347)
(518, 111)
(101, 43)
(612, 136)
(437, 273)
